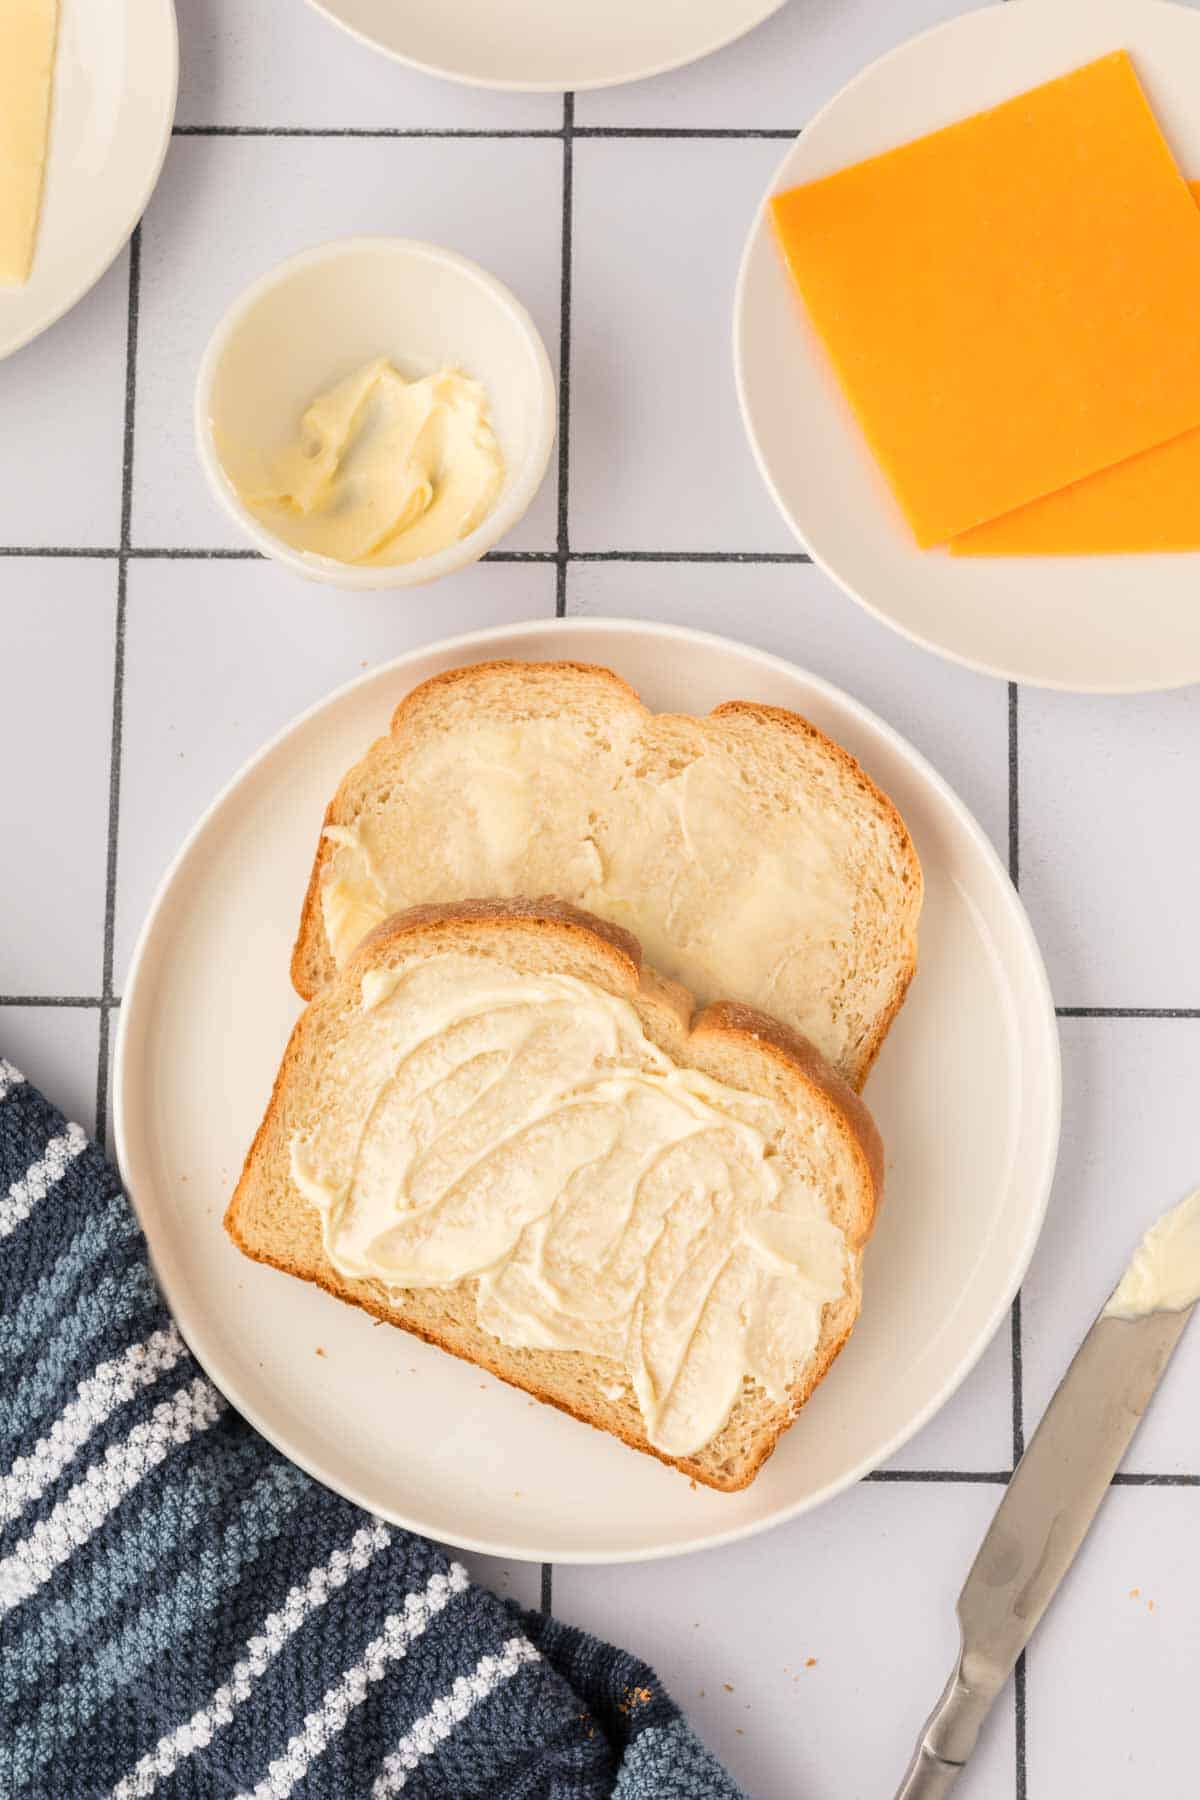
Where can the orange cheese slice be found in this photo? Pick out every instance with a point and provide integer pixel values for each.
(1151, 502)
(1011, 302)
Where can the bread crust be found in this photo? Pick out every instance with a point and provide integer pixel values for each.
(312, 964)
(558, 924)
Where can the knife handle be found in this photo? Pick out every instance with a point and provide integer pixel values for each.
(947, 1739)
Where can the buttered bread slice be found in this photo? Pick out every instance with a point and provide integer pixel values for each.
(499, 1130)
(752, 858)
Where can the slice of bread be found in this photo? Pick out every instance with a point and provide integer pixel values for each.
(818, 1135)
(750, 855)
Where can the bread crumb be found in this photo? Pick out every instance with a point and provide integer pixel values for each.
(1135, 1593)
(1150, 1604)
(811, 1663)
(729, 1687)
(634, 1697)
(702, 1693)
(740, 1732)
(320, 1350)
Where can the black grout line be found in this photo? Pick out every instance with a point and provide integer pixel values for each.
(520, 556)
(1018, 1386)
(356, 131)
(51, 1000)
(781, 133)
(55, 550)
(1134, 1480)
(691, 556)
(547, 1587)
(564, 356)
(150, 553)
(1128, 1012)
(1014, 808)
(118, 706)
(1018, 1377)
(1019, 1703)
(163, 553)
(1002, 1477)
(993, 1477)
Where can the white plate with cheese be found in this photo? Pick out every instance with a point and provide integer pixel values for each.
(1096, 624)
(536, 45)
(966, 1094)
(112, 93)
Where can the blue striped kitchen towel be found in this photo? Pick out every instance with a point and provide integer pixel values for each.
(183, 1613)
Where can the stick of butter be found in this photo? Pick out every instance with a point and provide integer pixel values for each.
(27, 34)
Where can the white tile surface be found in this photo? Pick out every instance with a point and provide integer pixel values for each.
(56, 670)
(55, 1048)
(774, 79)
(1111, 1684)
(263, 199)
(957, 719)
(866, 1587)
(220, 655)
(60, 473)
(1130, 1149)
(1110, 858)
(659, 459)
(280, 63)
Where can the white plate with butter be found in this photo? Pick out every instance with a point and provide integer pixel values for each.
(1098, 624)
(544, 44)
(966, 1094)
(112, 104)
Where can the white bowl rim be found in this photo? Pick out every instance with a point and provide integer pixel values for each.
(514, 501)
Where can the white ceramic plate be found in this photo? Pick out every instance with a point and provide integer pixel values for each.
(966, 1093)
(1107, 624)
(548, 44)
(115, 75)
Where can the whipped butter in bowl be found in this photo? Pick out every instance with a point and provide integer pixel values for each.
(376, 412)
(384, 470)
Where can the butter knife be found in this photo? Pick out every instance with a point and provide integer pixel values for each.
(1042, 1520)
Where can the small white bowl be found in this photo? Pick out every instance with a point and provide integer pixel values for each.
(323, 314)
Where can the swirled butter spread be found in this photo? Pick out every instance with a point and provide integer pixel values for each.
(724, 896)
(524, 1133)
(385, 470)
(1164, 1275)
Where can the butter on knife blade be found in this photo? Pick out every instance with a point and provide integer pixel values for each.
(1165, 1272)
(1057, 1487)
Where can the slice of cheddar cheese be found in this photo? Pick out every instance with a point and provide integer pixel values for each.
(1151, 502)
(27, 33)
(1011, 302)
